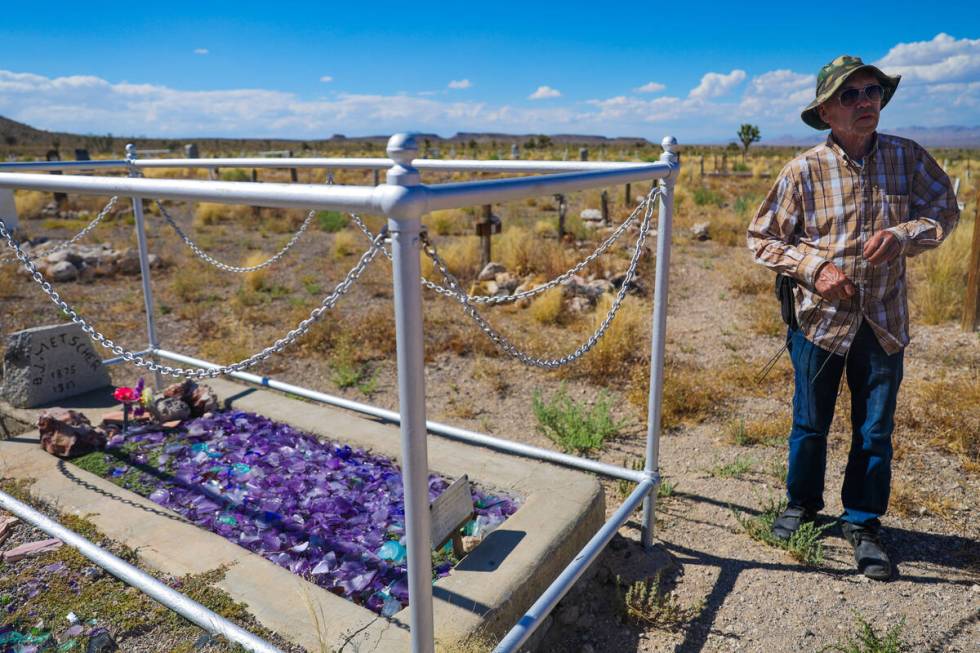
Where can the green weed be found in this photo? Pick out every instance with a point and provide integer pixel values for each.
(735, 469)
(867, 640)
(804, 544)
(574, 426)
(646, 602)
(331, 221)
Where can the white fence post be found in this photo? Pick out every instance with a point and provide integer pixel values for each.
(8, 209)
(404, 224)
(658, 335)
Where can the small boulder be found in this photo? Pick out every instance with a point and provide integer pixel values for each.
(68, 433)
(167, 409)
(202, 400)
(700, 231)
(128, 262)
(490, 271)
(591, 215)
(62, 271)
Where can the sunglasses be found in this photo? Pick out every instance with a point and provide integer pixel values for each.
(850, 97)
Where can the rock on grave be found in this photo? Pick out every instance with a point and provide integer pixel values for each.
(48, 363)
(591, 215)
(67, 433)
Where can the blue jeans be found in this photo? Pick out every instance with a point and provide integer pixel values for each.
(873, 377)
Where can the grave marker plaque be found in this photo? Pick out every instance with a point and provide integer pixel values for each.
(450, 512)
(49, 363)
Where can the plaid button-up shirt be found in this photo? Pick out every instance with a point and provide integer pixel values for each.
(825, 206)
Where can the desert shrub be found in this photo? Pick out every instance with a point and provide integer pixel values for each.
(235, 174)
(209, 213)
(704, 196)
(867, 640)
(450, 221)
(547, 307)
(257, 279)
(623, 345)
(575, 426)
(938, 278)
(331, 221)
(346, 243)
(545, 229)
(804, 545)
(647, 603)
(517, 249)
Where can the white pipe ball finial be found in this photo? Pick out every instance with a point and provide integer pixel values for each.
(130, 151)
(669, 143)
(402, 149)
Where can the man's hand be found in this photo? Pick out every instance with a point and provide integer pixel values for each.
(882, 247)
(833, 284)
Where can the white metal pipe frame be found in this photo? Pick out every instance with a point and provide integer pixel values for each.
(404, 199)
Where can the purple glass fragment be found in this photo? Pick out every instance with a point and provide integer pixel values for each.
(326, 511)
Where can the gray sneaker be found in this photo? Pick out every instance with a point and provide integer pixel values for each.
(870, 555)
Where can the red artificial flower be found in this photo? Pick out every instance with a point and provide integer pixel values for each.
(126, 395)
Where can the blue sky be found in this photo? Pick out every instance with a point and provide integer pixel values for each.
(308, 70)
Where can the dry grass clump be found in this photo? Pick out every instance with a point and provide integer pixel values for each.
(211, 213)
(763, 316)
(256, 280)
(758, 431)
(547, 307)
(448, 222)
(621, 349)
(29, 203)
(745, 277)
(517, 249)
(461, 256)
(947, 411)
(545, 229)
(938, 278)
(908, 499)
(9, 283)
(346, 243)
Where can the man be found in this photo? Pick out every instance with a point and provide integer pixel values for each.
(840, 220)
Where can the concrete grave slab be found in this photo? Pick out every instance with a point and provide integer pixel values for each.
(486, 593)
(50, 363)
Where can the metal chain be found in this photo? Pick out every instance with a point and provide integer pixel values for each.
(207, 258)
(74, 239)
(328, 302)
(508, 347)
(537, 290)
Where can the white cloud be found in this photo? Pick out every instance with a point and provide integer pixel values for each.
(943, 59)
(778, 95)
(544, 92)
(649, 87)
(716, 84)
(326, 79)
(200, 51)
(460, 84)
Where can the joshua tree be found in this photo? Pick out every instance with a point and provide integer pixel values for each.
(748, 134)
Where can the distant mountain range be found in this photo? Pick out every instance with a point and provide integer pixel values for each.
(946, 136)
(17, 137)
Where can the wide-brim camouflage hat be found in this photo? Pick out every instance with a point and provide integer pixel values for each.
(833, 75)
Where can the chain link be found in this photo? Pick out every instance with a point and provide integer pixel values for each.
(74, 239)
(508, 347)
(537, 290)
(328, 302)
(207, 258)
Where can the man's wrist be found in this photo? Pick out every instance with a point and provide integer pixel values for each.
(901, 236)
(809, 269)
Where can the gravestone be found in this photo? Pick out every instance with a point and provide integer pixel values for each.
(450, 512)
(49, 363)
(583, 154)
(191, 151)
